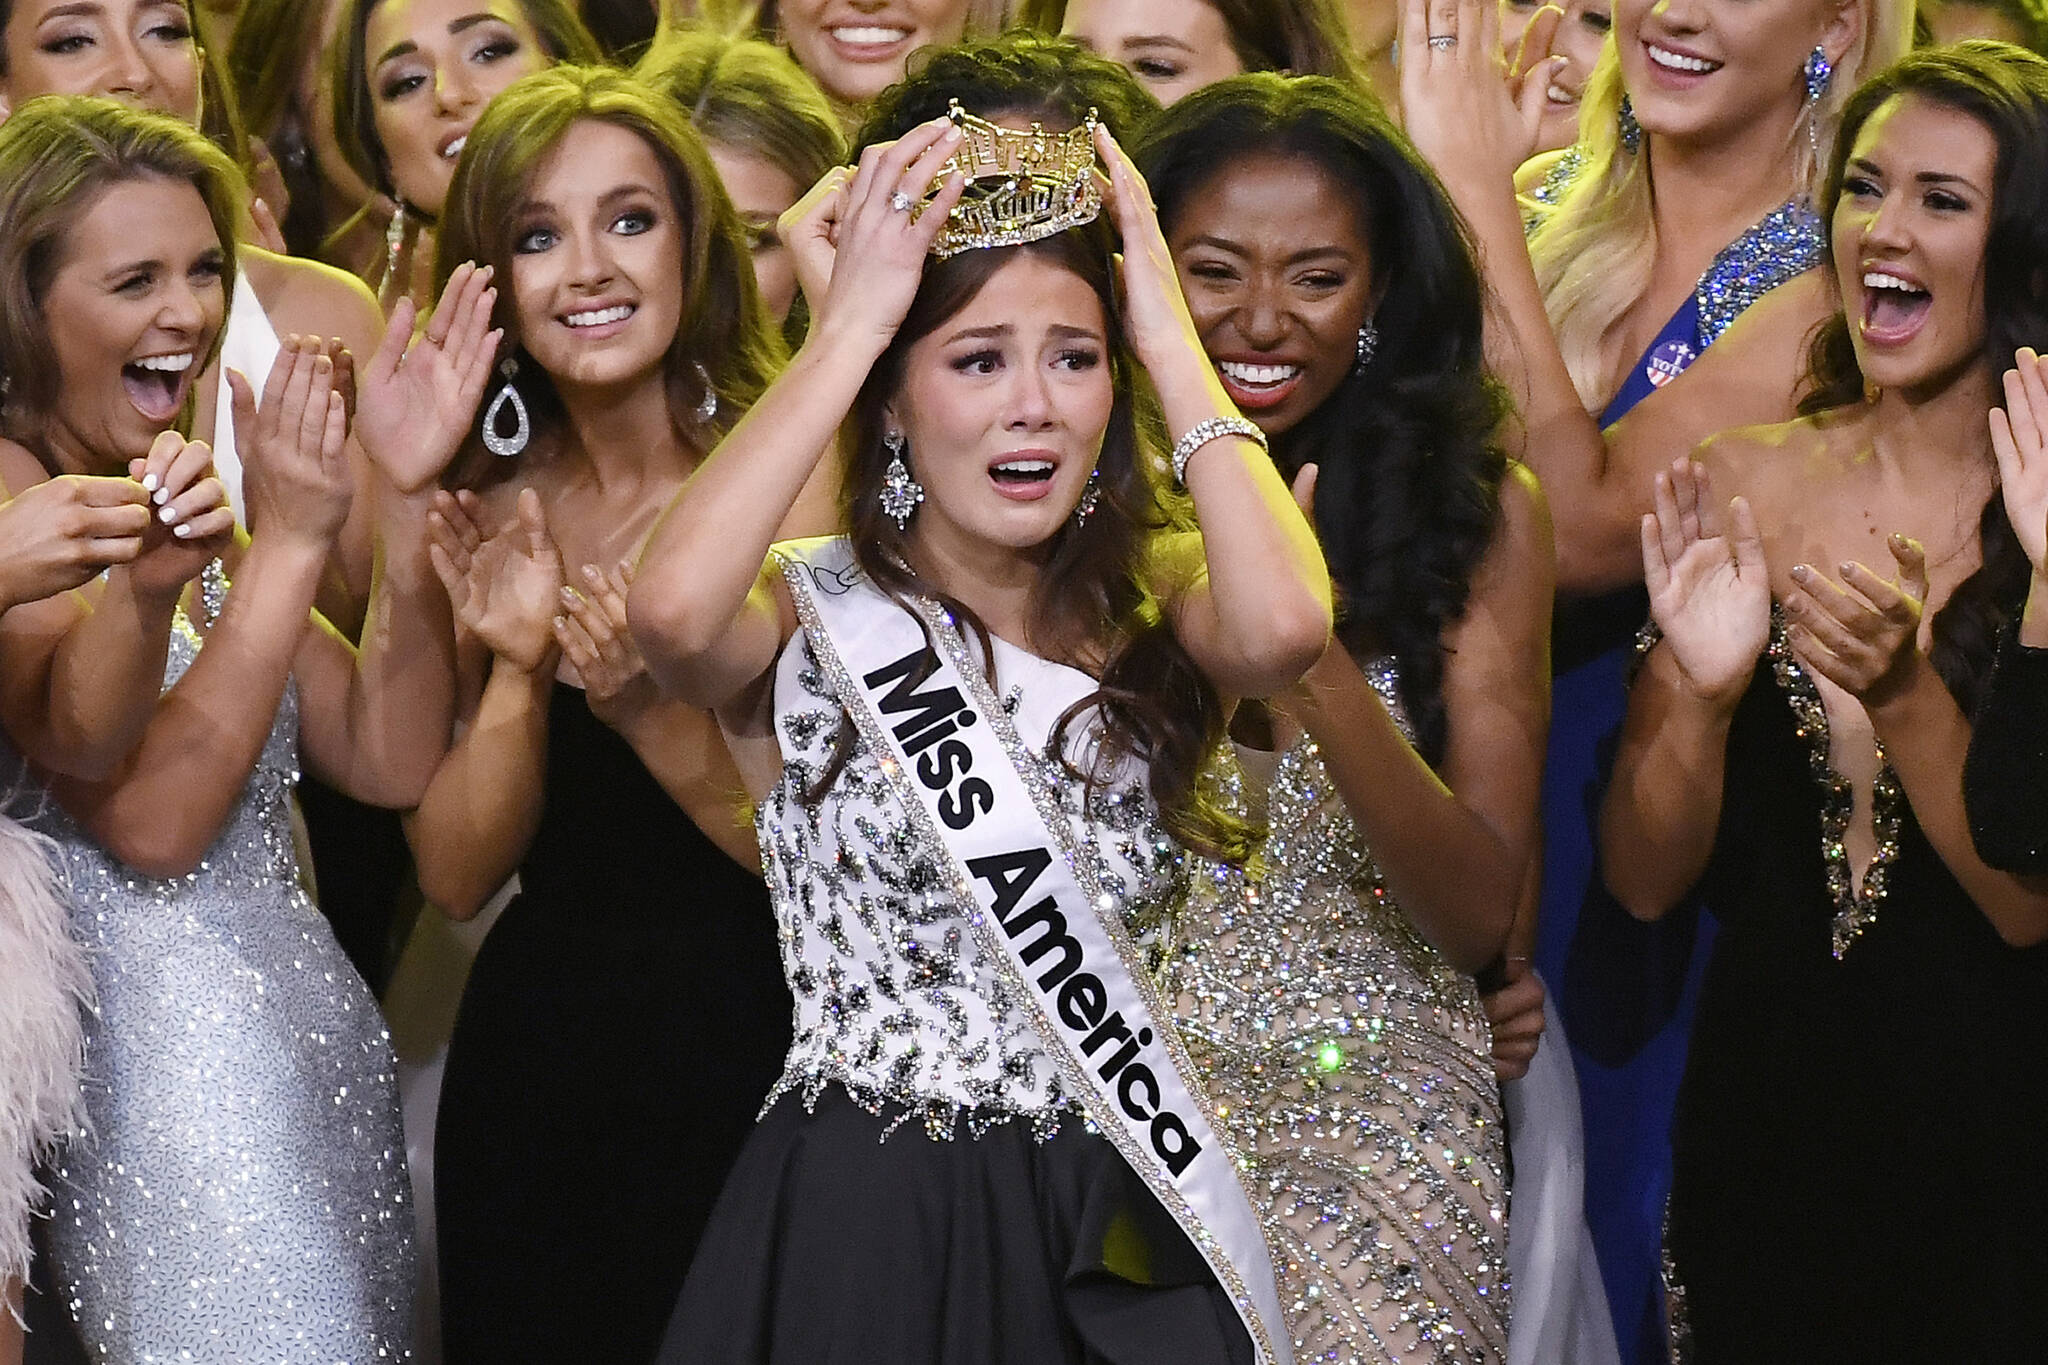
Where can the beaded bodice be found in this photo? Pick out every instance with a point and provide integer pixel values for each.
(894, 999)
(1350, 1061)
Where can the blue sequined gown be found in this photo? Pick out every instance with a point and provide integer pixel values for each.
(242, 1192)
(1352, 1064)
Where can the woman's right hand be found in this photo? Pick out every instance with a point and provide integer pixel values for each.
(506, 586)
(2019, 437)
(1472, 118)
(192, 523)
(886, 245)
(1709, 590)
(417, 399)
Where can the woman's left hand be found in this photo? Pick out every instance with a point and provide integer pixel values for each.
(1156, 317)
(1473, 118)
(1864, 641)
(595, 639)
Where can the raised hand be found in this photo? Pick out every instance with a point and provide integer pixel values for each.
(885, 235)
(57, 534)
(505, 586)
(594, 637)
(418, 396)
(2019, 437)
(1861, 634)
(810, 229)
(191, 524)
(1709, 591)
(297, 478)
(1155, 312)
(1472, 118)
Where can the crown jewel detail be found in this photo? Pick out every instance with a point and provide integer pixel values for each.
(1021, 186)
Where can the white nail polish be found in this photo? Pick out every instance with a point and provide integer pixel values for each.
(163, 495)
(169, 516)
(183, 531)
(149, 482)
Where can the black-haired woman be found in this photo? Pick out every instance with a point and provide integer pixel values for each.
(975, 726)
(1330, 1000)
(1872, 1029)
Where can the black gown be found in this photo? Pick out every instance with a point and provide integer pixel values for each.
(622, 1025)
(1857, 1145)
(2003, 787)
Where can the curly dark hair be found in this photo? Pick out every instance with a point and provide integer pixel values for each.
(2004, 88)
(1409, 490)
(1094, 598)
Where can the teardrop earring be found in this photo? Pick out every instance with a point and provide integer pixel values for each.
(1368, 345)
(498, 443)
(1091, 498)
(707, 406)
(900, 493)
(1631, 131)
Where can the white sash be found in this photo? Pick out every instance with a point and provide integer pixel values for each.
(951, 752)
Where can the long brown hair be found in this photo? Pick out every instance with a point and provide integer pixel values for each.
(1094, 599)
(725, 329)
(58, 155)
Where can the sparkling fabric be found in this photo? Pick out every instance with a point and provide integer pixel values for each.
(1351, 1063)
(241, 1193)
(894, 999)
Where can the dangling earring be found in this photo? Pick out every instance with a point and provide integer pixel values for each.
(1818, 71)
(522, 429)
(900, 493)
(707, 406)
(1631, 131)
(394, 239)
(1368, 346)
(1091, 498)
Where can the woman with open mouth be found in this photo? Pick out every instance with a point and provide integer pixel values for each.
(855, 49)
(242, 1178)
(975, 725)
(626, 1013)
(1666, 292)
(410, 79)
(1871, 1036)
(1580, 37)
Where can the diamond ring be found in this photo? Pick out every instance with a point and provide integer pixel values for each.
(901, 202)
(1442, 42)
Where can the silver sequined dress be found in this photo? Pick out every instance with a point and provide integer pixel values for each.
(1351, 1063)
(242, 1194)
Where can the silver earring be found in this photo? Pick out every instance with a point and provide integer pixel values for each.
(1091, 498)
(1819, 71)
(707, 406)
(900, 493)
(1631, 132)
(522, 429)
(394, 239)
(1368, 344)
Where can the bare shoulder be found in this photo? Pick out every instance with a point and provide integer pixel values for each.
(313, 299)
(1779, 463)
(19, 468)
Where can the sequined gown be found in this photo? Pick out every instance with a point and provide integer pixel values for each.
(242, 1193)
(1352, 1063)
(920, 1188)
(1857, 1147)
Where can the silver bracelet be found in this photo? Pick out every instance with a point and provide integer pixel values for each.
(1207, 430)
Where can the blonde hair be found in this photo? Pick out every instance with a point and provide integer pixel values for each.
(1595, 249)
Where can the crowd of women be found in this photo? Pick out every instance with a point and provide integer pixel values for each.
(1111, 681)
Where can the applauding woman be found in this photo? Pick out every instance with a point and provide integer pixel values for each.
(244, 1175)
(1799, 767)
(974, 726)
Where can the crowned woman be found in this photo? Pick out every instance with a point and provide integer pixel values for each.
(973, 727)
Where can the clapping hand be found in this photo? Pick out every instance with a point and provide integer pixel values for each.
(2019, 437)
(297, 477)
(420, 395)
(1709, 591)
(593, 634)
(1861, 634)
(192, 522)
(504, 586)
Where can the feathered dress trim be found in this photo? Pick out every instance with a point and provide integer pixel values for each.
(45, 985)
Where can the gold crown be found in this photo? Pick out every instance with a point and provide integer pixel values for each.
(1021, 186)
